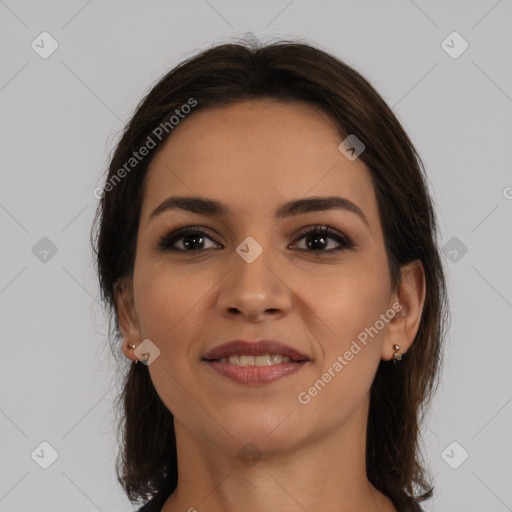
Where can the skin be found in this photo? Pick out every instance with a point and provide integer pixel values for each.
(254, 156)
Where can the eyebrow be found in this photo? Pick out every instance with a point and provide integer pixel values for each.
(203, 205)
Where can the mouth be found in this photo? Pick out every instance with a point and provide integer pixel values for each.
(255, 362)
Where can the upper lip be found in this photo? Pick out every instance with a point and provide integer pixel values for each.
(254, 348)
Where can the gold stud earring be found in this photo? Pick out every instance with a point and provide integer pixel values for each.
(131, 345)
(397, 354)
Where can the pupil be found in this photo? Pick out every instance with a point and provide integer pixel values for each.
(198, 240)
(316, 237)
(187, 243)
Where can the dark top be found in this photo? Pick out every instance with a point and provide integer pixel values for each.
(148, 507)
(155, 505)
(152, 505)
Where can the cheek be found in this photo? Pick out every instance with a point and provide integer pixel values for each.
(350, 350)
(166, 308)
(173, 307)
(353, 297)
(162, 302)
(351, 307)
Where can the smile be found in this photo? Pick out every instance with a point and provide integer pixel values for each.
(263, 360)
(255, 362)
(255, 369)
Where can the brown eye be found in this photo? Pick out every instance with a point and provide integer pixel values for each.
(317, 239)
(191, 238)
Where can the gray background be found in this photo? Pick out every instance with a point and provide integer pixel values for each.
(61, 117)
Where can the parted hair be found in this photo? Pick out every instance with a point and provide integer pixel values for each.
(285, 71)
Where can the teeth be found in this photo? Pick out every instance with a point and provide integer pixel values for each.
(264, 360)
(245, 360)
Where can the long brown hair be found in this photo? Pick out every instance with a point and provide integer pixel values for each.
(286, 71)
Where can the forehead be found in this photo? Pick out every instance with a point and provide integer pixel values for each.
(255, 155)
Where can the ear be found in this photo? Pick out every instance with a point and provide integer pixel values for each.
(410, 294)
(127, 316)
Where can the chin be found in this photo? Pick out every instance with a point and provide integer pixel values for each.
(268, 432)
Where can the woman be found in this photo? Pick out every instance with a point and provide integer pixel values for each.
(266, 246)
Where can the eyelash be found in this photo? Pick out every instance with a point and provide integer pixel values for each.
(166, 242)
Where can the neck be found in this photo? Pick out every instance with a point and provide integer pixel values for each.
(325, 474)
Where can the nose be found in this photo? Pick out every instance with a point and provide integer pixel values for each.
(255, 291)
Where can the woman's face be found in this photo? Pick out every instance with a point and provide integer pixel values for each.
(256, 276)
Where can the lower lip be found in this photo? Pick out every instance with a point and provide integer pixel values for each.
(256, 374)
